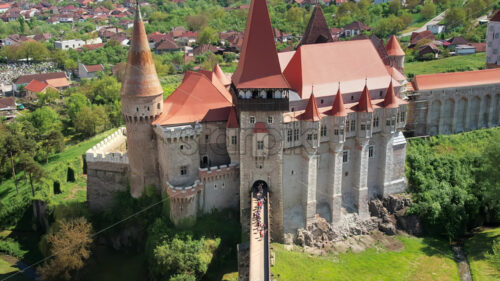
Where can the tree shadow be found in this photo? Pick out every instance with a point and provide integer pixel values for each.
(437, 247)
(481, 244)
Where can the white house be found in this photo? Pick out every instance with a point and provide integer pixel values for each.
(69, 44)
(436, 28)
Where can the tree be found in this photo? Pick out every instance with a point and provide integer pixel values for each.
(70, 246)
(34, 50)
(90, 119)
(428, 10)
(45, 119)
(33, 169)
(22, 24)
(12, 148)
(47, 97)
(455, 17)
(394, 7)
(196, 22)
(295, 16)
(210, 61)
(207, 35)
(183, 255)
(74, 104)
(52, 141)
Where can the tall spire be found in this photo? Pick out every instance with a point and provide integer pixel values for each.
(338, 108)
(390, 100)
(259, 65)
(365, 102)
(311, 113)
(140, 73)
(317, 30)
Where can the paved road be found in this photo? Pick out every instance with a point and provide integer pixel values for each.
(435, 20)
(259, 246)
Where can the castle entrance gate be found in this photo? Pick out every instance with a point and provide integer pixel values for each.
(257, 185)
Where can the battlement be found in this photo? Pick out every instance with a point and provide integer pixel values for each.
(179, 132)
(108, 149)
(183, 191)
(217, 172)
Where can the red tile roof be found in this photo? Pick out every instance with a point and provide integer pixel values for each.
(317, 29)
(8, 102)
(417, 36)
(260, 127)
(25, 79)
(456, 79)
(325, 65)
(140, 78)
(338, 108)
(93, 46)
(311, 113)
(36, 86)
(196, 99)
(94, 68)
(365, 102)
(393, 48)
(221, 76)
(390, 100)
(259, 65)
(232, 120)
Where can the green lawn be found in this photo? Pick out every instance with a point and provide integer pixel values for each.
(421, 259)
(7, 268)
(449, 64)
(484, 261)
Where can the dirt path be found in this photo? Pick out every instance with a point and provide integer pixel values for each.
(463, 265)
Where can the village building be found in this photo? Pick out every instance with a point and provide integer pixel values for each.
(57, 80)
(8, 108)
(69, 44)
(89, 71)
(35, 87)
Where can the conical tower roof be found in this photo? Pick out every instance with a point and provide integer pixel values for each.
(317, 30)
(365, 102)
(220, 74)
(393, 48)
(232, 120)
(259, 65)
(311, 113)
(338, 108)
(390, 100)
(141, 79)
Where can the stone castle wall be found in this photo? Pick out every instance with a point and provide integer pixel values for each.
(107, 172)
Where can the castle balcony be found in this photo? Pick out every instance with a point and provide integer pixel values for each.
(262, 104)
(183, 192)
(218, 172)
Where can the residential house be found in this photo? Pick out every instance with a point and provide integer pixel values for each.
(42, 37)
(335, 32)
(354, 28)
(207, 48)
(35, 87)
(57, 80)
(417, 36)
(69, 44)
(8, 108)
(455, 41)
(429, 48)
(89, 71)
(15, 39)
(4, 7)
(464, 49)
(187, 38)
(93, 46)
(166, 45)
(280, 36)
(436, 28)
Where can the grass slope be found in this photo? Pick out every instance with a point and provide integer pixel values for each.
(449, 64)
(421, 259)
(483, 259)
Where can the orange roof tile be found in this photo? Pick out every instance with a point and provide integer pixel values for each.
(393, 47)
(196, 99)
(58, 82)
(311, 113)
(140, 74)
(325, 65)
(365, 102)
(94, 68)
(217, 83)
(36, 86)
(259, 65)
(338, 108)
(456, 79)
(232, 120)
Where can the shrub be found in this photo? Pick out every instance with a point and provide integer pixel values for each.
(11, 247)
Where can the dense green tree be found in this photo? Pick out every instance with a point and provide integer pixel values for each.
(45, 119)
(455, 17)
(207, 35)
(196, 22)
(183, 255)
(428, 10)
(90, 120)
(11, 147)
(47, 97)
(52, 141)
(74, 103)
(394, 7)
(33, 169)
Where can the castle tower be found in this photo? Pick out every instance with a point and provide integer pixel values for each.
(363, 135)
(310, 124)
(396, 54)
(142, 103)
(337, 137)
(317, 30)
(260, 93)
(493, 41)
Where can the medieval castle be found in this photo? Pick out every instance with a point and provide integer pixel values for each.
(319, 127)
